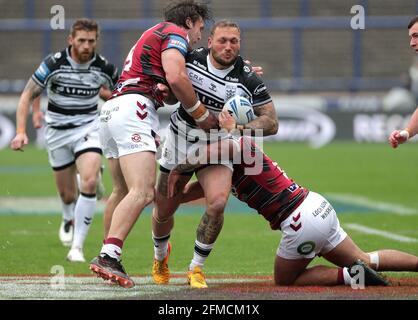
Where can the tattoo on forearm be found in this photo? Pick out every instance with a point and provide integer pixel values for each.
(209, 228)
(34, 89)
(266, 120)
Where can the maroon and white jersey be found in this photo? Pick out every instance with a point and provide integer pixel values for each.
(143, 67)
(271, 192)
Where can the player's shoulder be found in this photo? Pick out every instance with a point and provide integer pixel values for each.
(245, 69)
(198, 56)
(103, 63)
(251, 79)
(168, 28)
(55, 59)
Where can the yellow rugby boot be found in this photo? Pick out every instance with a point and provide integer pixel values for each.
(160, 271)
(196, 278)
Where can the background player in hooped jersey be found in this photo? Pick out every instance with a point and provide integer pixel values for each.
(74, 78)
(308, 222)
(217, 74)
(129, 123)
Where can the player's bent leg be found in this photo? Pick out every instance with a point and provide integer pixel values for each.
(67, 189)
(162, 224)
(354, 262)
(346, 253)
(162, 221)
(286, 271)
(119, 191)
(216, 183)
(65, 182)
(393, 260)
(140, 180)
(88, 165)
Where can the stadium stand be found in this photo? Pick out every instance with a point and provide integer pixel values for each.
(302, 44)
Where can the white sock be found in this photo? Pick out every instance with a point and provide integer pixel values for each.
(347, 277)
(68, 210)
(84, 212)
(201, 253)
(374, 259)
(112, 251)
(160, 246)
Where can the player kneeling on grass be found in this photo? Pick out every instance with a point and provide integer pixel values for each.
(307, 220)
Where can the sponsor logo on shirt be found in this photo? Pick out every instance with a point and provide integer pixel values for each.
(260, 89)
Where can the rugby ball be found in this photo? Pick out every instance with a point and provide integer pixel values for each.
(241, 109)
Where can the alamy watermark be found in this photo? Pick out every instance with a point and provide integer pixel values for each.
(358, 21)
(57, 281)
(358, 280)
(57, 21)
(196, 147)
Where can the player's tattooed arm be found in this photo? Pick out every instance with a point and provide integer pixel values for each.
(266, 120)
(209, 228)
(32, 89)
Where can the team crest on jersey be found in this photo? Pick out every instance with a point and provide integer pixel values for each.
(136, 137)
(306, 247)
(230, 91)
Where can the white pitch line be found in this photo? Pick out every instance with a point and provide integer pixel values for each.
(68, 287)
(35, 205)
(371, 204)
(385, 234)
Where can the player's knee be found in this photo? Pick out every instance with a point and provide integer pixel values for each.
(88, 184)
(161, 219)
(217, 205)
(143, 197)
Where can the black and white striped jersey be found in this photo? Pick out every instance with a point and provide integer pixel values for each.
(214, 87)
(73, 89)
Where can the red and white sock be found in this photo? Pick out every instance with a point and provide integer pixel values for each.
(113, 248)
(343, 276)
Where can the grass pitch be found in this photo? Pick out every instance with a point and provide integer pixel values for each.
(369, 185)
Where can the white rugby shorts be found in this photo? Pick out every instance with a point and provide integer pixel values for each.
(128, 124)
(312, 229)
(64, 146)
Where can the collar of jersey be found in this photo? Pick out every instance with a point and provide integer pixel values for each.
(221, 73)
